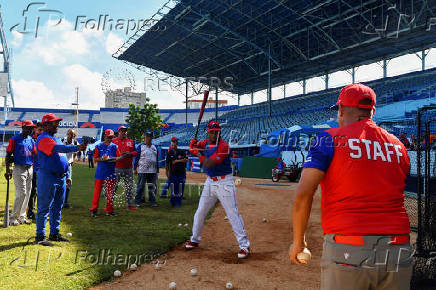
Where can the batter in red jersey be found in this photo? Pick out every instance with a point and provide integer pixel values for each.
(214, 155)
(362, 171)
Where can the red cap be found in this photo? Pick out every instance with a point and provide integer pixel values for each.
(27, 123)
(213, 126)
(351, 95)
(49, 118)
(174, 139)
(122, 127)
(109, 133)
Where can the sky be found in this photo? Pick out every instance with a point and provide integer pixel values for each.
(67, 53)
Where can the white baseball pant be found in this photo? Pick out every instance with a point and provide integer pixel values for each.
(22, 175)
(223, 190)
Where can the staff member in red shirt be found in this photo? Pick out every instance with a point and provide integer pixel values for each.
(362, 170)
(124, 167)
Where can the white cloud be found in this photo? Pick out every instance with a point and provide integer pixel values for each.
(113, 43)
(17, 40)
(34, 94)
(56, 44)
(89, 83)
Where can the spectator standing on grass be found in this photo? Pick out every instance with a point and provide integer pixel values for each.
(32, 199)
(176, 172)
(90, 154)
(165, 187)
(106, 154)
(69, 139)
(124, 168)
(52, 179)
(21, 151)
(147, 167)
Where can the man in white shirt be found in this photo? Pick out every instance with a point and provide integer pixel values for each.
(147, 168)
(69, 139)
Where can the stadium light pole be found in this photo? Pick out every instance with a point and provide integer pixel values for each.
(77, 110)
(216, 104)
(269, 80)
(186, 103)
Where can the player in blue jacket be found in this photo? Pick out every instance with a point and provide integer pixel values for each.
(52, 179)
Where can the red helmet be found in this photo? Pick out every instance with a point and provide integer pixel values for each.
(49, 118)
(213, 126)
(27, 123)
(109, 133)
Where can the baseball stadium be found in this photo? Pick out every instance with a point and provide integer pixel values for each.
(294, 149)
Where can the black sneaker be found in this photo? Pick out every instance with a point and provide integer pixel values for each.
(43, 242)
(67, 205)
(31, 216)
(58, 238)
(111, 214)
(93, 214)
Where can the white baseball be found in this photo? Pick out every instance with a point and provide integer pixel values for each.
(179, 225)
(69, 234)
(173, 285)
(265, 220)
(133, 267)
(117, 273)
(229, 285)
(194, 272)
(226, 218)
(238, 181)
(304, 256)
(186, 225)
(157, 266)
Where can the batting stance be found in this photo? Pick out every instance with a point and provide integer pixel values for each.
(214, 155)
(51, 182)
(362, 171)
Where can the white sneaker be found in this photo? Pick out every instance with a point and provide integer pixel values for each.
(23, 220)
(13, 223)
(243, 253)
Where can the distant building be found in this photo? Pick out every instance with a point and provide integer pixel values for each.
(196, 104)
(122, 98)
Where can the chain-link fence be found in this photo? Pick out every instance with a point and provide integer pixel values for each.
(419, 136)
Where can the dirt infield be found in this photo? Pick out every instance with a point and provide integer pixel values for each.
(267, 268)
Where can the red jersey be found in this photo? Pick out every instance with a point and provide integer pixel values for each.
(125, 145)
(363, 187)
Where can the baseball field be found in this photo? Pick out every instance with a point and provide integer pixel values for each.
(131, 236)
(149, 235)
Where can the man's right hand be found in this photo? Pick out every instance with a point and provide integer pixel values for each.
(8, 174)
(135, 171)
(193, 143)
(81, 147)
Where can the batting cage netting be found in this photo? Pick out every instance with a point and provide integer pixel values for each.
(418, 133)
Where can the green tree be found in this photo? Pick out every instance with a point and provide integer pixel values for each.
(143, 119)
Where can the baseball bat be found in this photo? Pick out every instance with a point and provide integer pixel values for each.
(200, 116)
(6, 219)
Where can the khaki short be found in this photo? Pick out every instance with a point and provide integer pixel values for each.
(375, 265)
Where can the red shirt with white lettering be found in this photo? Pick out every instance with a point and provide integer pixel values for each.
(363, 187)
(124, 145)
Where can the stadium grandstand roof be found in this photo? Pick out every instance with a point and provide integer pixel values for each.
(299, 39)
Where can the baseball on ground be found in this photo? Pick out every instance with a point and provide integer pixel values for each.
(238, 181)
(194, 272)
(179, 225)
(133, 267)
(117, 273)
(304, 256)
(69, 234)
(229, 285)
(173, 285)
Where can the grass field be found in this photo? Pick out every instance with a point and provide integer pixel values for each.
(98, 245)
